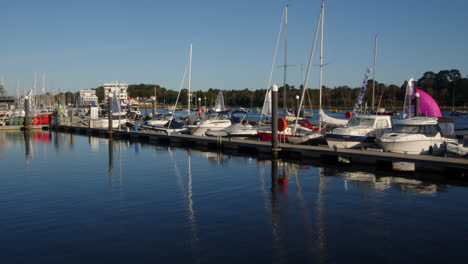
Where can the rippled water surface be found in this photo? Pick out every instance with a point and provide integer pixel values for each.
(77, 199)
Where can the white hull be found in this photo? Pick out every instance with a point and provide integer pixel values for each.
(104, 123)
(347, 143)
(417, 146)
(214, 125)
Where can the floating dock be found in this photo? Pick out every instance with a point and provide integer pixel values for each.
(395, 161)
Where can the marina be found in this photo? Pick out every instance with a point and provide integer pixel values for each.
(233, 132)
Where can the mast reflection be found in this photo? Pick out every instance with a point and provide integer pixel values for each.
(111, 161)
(27, 146)
(188, 196)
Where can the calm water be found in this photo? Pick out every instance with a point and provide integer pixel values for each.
(76, 199)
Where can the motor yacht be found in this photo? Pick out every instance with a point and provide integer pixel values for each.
(419, 135)
(214, 121)
(360, 132)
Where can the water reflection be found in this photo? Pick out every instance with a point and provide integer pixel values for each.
(187, 195)
(368, 180)
(27, 147)
(110, 152)
(205, 201)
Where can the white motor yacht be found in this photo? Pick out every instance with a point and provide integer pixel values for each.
(158, 120)
(215, 121)
(240, 127)
(419, 135)
(360, 132)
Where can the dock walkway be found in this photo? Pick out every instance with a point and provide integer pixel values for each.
(297, 152)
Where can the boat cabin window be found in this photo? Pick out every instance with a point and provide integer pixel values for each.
(382, 123)
(361, 122)
(447, 128)
(427, 130)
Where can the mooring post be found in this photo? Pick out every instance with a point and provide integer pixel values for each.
(416, 104)
(274, 121)
(109, 113)
(26, 113)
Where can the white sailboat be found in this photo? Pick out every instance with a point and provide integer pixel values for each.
(167, 124)
(361, 131)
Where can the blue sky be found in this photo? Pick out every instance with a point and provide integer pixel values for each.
(82, 44)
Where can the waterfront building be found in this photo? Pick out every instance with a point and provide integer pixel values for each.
(87, 98)
(119, 89)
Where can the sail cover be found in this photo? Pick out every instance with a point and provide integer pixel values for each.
(427, 105)
(331, 120)
(408, 108)
(115, 103)
(219, 104)
(266, 110)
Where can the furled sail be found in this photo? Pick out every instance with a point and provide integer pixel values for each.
(266, 110)
(331, 120)
(219, 104)
(408, 108)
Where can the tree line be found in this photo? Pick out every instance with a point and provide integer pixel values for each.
(448, 88)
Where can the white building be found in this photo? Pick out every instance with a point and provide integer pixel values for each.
(120, 90)
(87, 98)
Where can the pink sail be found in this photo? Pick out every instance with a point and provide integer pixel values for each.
(427, 105)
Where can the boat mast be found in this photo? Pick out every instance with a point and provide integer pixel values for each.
(285, 59)
(309, 66)
(321, 62)
(189, 79)
(373, 71)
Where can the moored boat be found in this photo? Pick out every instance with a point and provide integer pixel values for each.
(360, 132)
(419, 135)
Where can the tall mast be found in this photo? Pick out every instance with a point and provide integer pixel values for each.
(321, 62)
(373, 70)
(43, 83)
(189, 79)
(309, 66)
(285, 58)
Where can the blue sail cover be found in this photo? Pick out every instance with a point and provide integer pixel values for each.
(362, 91)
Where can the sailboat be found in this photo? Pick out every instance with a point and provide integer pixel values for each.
(167, 124)
(361, 131)
(423, 130)
(305, 127)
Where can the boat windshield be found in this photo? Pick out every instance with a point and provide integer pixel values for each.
(428, 130)
(368, 122)
(218, 116)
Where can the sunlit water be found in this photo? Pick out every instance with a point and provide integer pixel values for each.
(75, 199)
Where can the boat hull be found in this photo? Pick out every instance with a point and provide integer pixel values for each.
(416, 146)
(347, 141)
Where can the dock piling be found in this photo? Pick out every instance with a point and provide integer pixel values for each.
(26, 113)
(274, 121)
(109, 113)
